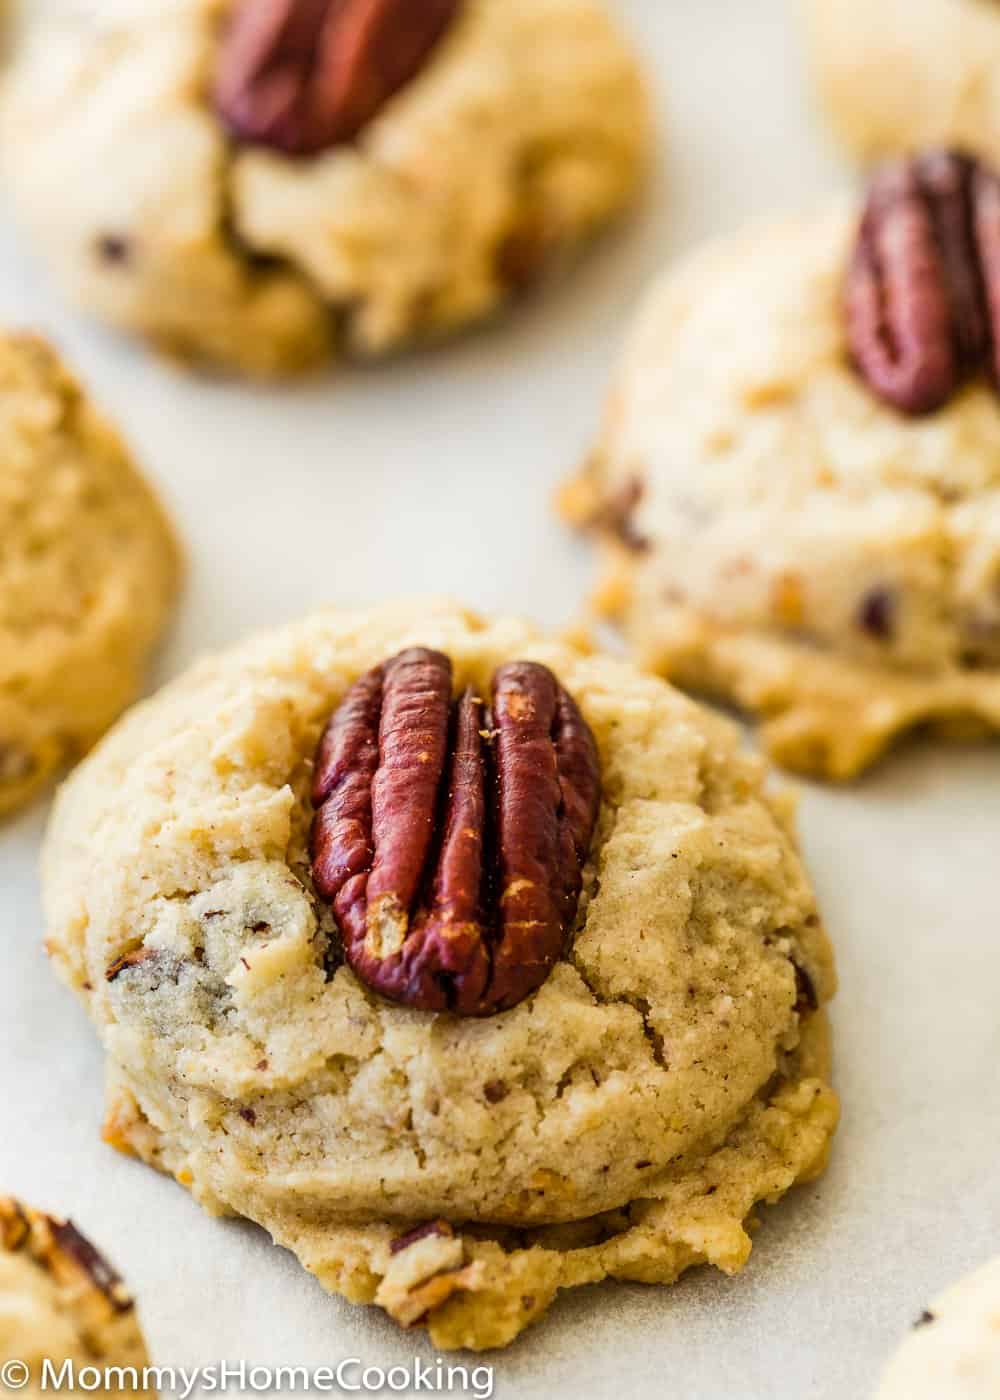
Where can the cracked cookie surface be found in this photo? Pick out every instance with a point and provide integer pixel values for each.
(622, 1121)
(779, 537)
(60, 1300)
(525, 131)
(907, 74)
(88, 570)
(953, 1351)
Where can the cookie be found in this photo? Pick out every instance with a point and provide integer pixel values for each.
(618, 1112)
(778, 534)
(908, 73)
(88, 570)
(60, 1301)
(393, 196)
(953, 1351)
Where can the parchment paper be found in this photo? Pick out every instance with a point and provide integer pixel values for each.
(435, 473)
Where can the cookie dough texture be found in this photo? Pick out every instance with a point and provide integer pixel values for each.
(796, 546)
(88, 570)
(621, 1122)
(953, 1352)
(906, 74)
(59, 1299)
(525, 131)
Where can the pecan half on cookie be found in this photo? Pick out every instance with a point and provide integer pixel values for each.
(355, 175)
(450, 838)
(304, 75)
(923, 287)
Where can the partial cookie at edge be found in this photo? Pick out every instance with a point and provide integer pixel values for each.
(953, 1350)
(88, 575)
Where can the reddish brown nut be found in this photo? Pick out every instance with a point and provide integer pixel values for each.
(99, 1272)
(136, 958)
(59, 1247)
(806, 1000)
(876, 614)
(421, 1232)
(15, 1227)
(611, 514)
(304, 75)
(923, 286)
(450, 841)
(986, 208)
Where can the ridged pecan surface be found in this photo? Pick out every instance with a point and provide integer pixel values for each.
(923, 286)
(450, 838)
(304, 75)
(58, 1246)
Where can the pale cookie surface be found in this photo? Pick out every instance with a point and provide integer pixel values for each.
(525, 131)
(776, 534)
(953, 1352)
(88, 570)
(623, 1121)
(906, 74)
(60, 1300)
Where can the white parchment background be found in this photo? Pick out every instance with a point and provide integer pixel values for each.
(435, 474)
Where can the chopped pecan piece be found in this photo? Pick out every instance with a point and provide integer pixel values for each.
(425, 1269)
(806, 1000)
(923, 286)
(304, 75)
(136, 958)
(430, 1229)
(114, 249)
(876, 614)
(450, 841)
(15, 1228)
(612, 514)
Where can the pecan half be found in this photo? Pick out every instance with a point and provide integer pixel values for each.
(304, 75)
(922, 295)
(449, 840)
(77, 1248)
